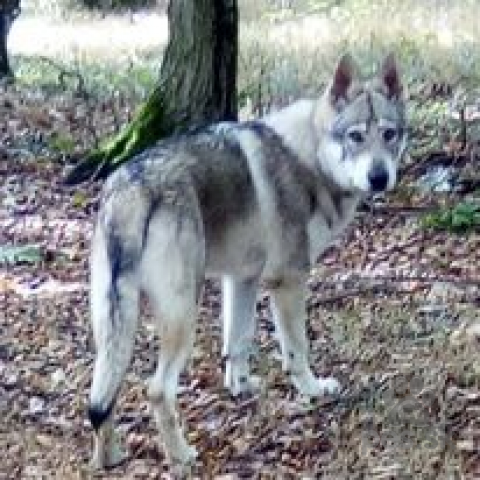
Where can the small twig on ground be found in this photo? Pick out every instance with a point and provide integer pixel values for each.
(402, 209)
(390, 285)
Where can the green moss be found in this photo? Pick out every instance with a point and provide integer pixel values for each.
(149, 125)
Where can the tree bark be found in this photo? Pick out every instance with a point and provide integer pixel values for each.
(197, 84)
(5, 70)
(9, 11)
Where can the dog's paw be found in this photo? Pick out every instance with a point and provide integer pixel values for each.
(328, 385)
(311, 386)
(239, 380)
(183, 455)
(103, 458)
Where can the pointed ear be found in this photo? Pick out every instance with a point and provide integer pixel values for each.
(390, 77)
(342, 80)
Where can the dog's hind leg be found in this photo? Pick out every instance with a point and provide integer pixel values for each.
(172, 276)
(290, 320)
(238, 331)
(114, 311)
(177, 336)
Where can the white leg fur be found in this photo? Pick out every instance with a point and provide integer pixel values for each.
(238, 331)
(170, 270)
(106, 450)
(177, 339)
(290, 321)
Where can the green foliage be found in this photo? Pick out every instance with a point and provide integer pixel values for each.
(461, 218)
(62, 142)
(15, 254)
(80, 199)
(97, 77)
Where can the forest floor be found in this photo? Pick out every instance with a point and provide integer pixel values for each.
(393, 312)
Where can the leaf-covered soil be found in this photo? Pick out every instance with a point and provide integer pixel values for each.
(392, 308)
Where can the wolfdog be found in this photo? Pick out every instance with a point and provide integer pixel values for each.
(254, 203)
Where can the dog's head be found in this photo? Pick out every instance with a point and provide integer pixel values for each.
(362, 128)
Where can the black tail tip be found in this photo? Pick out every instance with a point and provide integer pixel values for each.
(98, 415)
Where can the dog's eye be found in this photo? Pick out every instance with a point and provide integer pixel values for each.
(356, 136)
(389, 135)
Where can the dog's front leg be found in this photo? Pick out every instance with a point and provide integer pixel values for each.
(289, 314)
(238, 330)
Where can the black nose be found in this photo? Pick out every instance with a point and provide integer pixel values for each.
(378, 178)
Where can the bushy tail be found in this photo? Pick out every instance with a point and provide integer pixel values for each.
(114, 312)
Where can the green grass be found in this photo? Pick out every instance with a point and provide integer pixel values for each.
(89, 77)
(463, 217)
(434, 44)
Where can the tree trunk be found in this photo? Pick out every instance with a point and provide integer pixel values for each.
(9, 11)
(197, 84)
(4, 65)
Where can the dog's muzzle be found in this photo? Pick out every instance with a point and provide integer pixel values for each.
(378, 178)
